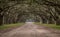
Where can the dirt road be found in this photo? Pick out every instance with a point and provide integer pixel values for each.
(30, 30)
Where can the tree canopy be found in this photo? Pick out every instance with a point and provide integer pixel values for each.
(45, 11)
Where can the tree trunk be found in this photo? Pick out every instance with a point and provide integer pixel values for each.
(1, 19)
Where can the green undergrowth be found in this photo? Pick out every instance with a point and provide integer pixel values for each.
(6, 26)
(50, 25)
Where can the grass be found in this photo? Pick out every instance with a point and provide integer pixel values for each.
(50, 25)
(6, 26)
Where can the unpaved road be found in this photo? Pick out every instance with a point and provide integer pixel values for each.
(30, 30)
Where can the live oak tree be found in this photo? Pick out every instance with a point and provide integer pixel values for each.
(44, 11)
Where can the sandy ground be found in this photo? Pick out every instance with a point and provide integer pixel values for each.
(30, 30)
